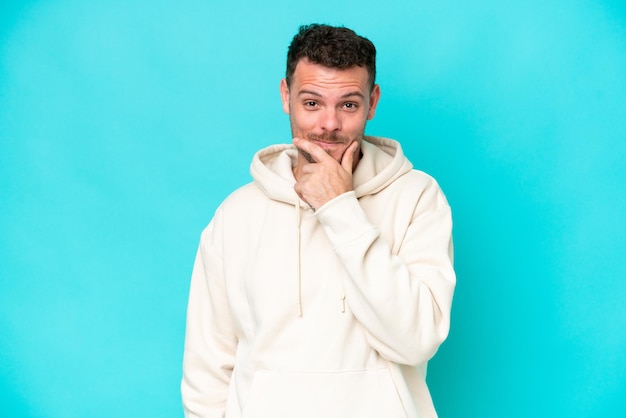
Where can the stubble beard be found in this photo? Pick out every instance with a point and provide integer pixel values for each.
(307, 156)
(326, 137)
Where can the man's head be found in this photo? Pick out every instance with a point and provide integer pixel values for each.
(329, 90)
(331, 47)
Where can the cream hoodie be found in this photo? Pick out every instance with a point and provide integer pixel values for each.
(327, 314)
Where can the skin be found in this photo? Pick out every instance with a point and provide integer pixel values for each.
(328, 109)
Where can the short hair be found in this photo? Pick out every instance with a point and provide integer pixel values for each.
(332, 47)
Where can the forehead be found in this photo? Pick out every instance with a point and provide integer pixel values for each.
(310, 75)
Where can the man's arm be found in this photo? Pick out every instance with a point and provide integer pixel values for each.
(403, 301)
(210, 341)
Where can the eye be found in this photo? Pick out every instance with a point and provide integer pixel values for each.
(350, 106)
(310, 104)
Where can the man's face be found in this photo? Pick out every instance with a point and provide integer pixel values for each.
(329, 107)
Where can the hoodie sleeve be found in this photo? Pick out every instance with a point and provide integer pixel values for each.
(402, 300)
(210, 341)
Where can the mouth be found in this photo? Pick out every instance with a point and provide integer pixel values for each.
(331, 147)
(329, 139)
(333, 144)
(325, 144)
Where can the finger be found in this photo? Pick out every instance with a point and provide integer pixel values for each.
(315, 151)
(308, 157)
(348, 157)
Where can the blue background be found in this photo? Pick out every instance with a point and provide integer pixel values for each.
(123, 124)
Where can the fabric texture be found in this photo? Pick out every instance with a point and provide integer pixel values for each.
(332, 313)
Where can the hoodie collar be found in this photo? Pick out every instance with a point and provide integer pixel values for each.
(382, 162)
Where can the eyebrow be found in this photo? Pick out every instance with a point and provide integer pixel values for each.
(345, 96)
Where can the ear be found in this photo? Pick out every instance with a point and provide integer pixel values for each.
(284, 95)
(374, 96)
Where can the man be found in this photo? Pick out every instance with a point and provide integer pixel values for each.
(324, 287)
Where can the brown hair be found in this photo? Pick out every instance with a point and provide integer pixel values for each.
(332, 47)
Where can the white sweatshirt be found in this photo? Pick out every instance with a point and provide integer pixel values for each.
(334, 313)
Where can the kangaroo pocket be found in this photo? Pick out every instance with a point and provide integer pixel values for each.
(363, 394)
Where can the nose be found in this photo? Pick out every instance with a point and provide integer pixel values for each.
(330, 120)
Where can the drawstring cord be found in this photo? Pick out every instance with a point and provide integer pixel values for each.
(342, 294)
(298, 257)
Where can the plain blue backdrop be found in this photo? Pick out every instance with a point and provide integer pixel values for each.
(123, 124)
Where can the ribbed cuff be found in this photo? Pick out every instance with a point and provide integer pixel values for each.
(344, 220)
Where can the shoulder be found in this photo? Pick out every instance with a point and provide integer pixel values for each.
(247, 191)
(419, 179)
(422, 188)
(242, 198)
(237, 209)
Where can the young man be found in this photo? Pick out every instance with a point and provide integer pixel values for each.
(324, 287)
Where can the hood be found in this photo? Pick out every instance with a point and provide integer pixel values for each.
(383, 161)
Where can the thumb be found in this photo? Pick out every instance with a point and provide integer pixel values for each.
(348, 157)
